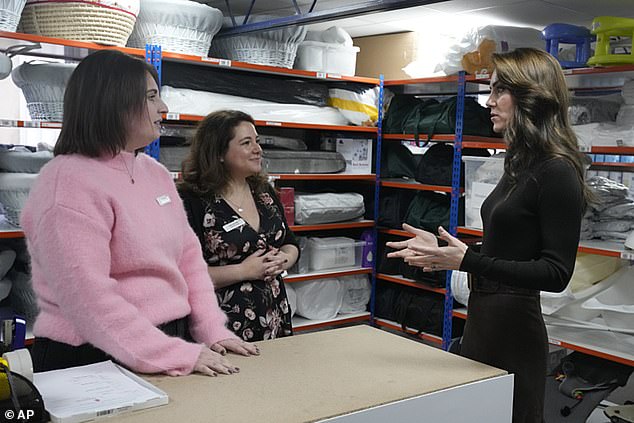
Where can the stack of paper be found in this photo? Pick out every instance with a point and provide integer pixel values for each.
(84, 393)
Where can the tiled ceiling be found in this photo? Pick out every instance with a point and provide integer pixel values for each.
(445, 15)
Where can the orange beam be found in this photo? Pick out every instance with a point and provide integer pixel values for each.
(329, 226)
(363, 318)
(409, 282)
(301, 278)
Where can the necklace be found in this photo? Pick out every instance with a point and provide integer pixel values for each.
(130, 174)
(238, 206)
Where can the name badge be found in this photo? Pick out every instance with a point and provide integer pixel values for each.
(233, 225)
(163, 200)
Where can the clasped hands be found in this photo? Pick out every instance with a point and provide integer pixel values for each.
(264, 265)
(424, 251)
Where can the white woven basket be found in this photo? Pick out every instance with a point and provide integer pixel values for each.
(260, 51)
(176, 25)
(43, 86)
(10, 11)
(275, 47)
(14, 190)
(79, 21)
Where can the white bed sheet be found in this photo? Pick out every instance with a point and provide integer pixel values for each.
(201, 103)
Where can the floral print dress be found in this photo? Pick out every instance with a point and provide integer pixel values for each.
(257, 310)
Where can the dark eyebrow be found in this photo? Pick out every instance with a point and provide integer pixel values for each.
(152, 91)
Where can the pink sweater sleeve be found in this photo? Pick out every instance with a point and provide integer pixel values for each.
(79, 282)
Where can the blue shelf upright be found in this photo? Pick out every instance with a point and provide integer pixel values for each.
(154, 56)
(453, 216)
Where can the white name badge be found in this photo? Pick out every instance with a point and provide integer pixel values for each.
(163, 200)
(233, 225)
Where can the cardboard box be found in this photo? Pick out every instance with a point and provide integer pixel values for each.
(386, 54)
(358, 154)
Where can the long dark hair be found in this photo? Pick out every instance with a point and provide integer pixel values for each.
(203, 170)
(540, 128)
(104, 92)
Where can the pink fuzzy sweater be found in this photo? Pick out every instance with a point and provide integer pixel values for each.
(111, 260)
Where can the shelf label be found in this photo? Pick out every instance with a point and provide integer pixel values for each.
(334, 76)
(483, 75)
(584, 148)
(627, 255)
(567, 71)
(7, 123)
(173, 116)
(554, 341)
(175, 175)
(225, 62)
(320, 75)
(267, 123)
(51, 125)
(209, 59)
(31, 124)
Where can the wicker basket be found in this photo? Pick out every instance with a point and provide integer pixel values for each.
(260, 51)
(179, 26)
(14, 190)
(10, 11)
(276, 47)
(78, 20)
(43, 86)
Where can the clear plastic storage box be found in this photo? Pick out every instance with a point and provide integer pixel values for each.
(481, 176)
(334, 252)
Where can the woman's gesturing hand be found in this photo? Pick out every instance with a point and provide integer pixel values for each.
(405, 248)
(423, 250)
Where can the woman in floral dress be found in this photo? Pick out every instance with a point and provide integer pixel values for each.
(240, 224)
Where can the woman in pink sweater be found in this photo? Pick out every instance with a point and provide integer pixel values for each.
(117, 270)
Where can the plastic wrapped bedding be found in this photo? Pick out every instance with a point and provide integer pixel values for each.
(615, 303)
(472, 51)
(23, 161)
(201, 103)
(356, 295)
(319, 299)
(196, 77)
(585, 110)
(279, 161)
(313, 209)
(605, 134)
